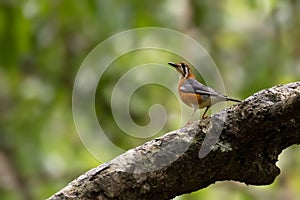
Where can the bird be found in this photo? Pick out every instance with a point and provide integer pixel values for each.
(195, 94)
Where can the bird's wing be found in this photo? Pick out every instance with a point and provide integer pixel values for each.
(193, 86)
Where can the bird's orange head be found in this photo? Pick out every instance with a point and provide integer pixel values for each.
(183, 69)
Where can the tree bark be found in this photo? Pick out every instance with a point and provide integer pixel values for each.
(240, 143)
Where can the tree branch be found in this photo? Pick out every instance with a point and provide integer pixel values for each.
(240, 143)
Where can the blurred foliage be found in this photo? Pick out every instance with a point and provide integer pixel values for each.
(255, 44)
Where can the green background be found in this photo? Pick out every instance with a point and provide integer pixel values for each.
(254, 43)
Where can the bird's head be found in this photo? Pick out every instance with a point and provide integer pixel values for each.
(183, 69)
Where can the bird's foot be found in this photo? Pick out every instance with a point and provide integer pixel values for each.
(204, 117)
(189, 122)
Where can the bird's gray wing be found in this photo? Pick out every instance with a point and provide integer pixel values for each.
(193, 86)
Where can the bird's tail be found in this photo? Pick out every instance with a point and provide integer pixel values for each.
(230, 99)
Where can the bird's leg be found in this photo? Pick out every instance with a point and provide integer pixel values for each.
(190, 119)
(203, 116)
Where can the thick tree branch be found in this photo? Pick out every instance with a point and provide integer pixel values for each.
(240, 143)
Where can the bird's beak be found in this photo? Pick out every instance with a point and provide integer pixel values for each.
(173, 64)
